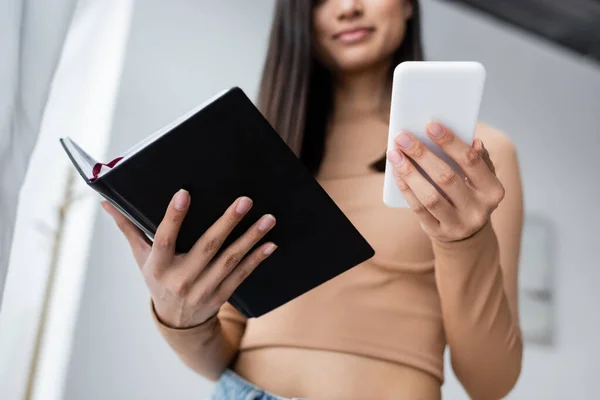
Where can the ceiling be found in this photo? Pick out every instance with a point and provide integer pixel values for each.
(574, 24)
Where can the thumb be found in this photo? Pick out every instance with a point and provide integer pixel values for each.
(480, 148)
(136, 238)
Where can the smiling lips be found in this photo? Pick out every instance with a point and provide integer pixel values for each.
(353, 35)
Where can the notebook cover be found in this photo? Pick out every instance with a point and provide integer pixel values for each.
(227, 150)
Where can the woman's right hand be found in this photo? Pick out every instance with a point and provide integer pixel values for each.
(188, 289)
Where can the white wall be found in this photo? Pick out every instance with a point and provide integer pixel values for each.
(548, 100)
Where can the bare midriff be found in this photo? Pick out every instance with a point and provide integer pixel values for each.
(317, 374)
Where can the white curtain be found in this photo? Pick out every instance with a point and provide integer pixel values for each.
(32, 33)
(60, 67)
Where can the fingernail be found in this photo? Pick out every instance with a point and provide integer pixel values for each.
(181, 199)
(436, 129)
(395, 157)
(403, 140)
(266, 223)
(269, 249)
(243, 206)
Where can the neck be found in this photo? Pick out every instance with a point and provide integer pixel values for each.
(363, 93)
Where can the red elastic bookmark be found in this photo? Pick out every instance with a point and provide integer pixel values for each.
(98, 167)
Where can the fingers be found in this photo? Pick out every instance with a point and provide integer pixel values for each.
(217, 278)
(163, 248)
(241, 272)
(211, 241)
(440, 173)
(231, 257)
(191, 287)
(437, 205)
(470, 160)
(135, 237)
(426, 218)
(480, 148)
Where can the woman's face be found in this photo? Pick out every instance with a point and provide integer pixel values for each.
(353, 35)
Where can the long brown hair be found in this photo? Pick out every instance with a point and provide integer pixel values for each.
(296, 90)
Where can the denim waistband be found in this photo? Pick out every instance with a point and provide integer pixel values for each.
(231, 386)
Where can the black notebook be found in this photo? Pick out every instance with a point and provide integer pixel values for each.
(219, 151)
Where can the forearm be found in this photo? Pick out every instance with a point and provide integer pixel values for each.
(208, 348)
(483, 335)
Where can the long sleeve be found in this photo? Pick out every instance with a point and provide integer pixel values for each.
(32, 33)
(477, 284)
(208, 348)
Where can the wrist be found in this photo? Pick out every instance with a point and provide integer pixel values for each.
(471, 235)
(172, 326)
(479, 238)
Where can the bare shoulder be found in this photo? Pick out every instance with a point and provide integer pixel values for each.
(500, 146)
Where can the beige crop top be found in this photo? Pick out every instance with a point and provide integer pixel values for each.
(413, 297)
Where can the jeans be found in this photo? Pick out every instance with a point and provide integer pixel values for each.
(231, 386)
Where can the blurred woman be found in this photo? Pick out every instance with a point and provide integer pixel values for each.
(445, 270)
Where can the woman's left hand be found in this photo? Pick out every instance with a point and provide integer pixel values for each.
(465, 206)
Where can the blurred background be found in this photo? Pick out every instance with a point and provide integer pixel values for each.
(76, 320)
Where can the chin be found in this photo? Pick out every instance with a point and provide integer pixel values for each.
(358, 64)
(359, 59)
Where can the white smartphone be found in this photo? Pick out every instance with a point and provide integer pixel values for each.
(448, 92)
